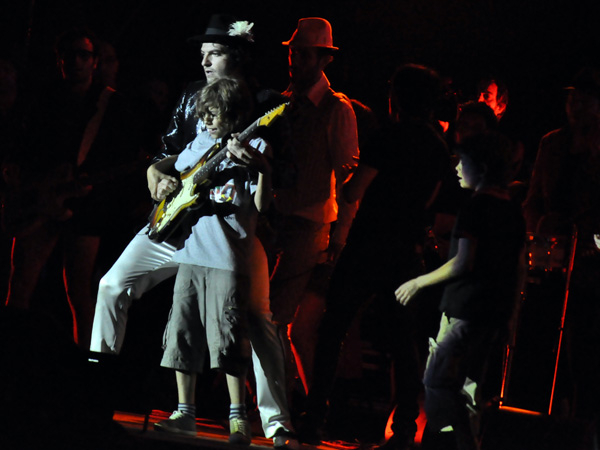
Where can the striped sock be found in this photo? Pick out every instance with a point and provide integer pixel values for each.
(237, 410)
(187, 408)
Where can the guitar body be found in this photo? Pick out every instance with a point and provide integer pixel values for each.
(194, 183)
(169, 213)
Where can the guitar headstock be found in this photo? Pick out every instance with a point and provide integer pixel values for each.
(266, 119)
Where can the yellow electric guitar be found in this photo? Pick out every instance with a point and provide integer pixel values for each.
(194, 183)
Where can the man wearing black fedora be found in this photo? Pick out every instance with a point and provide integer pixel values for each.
(226, 48)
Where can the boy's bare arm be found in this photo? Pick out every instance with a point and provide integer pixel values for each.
(460, 264)
(251, 157)
(264, 191)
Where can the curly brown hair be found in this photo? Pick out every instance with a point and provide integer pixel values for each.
(230, 97)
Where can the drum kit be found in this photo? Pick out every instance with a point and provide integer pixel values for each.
(547, 253)
(531, 359)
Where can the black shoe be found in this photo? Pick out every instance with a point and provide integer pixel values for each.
(285, 440)
(307, 430)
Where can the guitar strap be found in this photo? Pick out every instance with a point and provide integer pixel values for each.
(92, 127)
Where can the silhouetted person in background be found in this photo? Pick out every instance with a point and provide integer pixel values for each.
(564, 197)
(17, 131)
(494, 92)
(398, 177)
(93, 146)
(107, 69)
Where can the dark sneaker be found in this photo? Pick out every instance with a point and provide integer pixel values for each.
(178, 423)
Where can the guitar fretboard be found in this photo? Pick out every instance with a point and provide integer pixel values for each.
(214, 161)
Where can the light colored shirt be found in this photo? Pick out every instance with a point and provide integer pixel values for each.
(223, 238)
(324, 145)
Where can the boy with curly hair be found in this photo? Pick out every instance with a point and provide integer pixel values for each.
(212, 285)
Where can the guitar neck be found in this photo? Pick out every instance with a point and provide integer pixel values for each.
(214, 161)
(248, 131)
(210, 165)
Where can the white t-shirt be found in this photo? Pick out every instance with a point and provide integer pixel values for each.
(223, 238)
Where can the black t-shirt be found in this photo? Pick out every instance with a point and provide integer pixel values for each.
(411, 158)
(487, 292)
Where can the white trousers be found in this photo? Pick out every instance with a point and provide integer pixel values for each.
(268, 358)
(145, 263)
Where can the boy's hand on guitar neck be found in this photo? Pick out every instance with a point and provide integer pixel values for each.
(247, 155)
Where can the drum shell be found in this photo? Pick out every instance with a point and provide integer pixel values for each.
(547, 253)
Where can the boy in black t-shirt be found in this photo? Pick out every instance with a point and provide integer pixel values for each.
(483, 279)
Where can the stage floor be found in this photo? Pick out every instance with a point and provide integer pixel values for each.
(507, 429)
(211, 434)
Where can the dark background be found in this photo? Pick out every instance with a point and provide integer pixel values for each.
(535, 46)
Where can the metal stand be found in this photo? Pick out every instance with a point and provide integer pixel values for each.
(506, 402)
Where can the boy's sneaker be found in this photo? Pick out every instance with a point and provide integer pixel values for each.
(285, 440)
(178, 423)
(239, 431)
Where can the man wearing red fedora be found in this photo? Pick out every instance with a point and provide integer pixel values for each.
(323, 148)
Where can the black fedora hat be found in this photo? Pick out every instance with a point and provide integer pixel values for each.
(226, 29)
